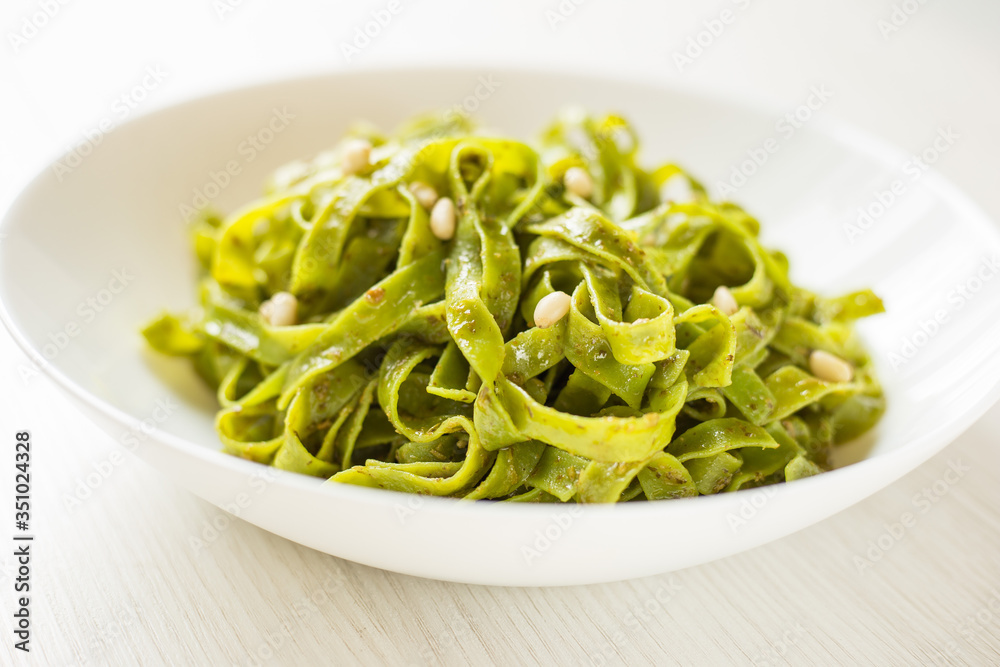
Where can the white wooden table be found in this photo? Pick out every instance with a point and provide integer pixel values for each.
(116, 579)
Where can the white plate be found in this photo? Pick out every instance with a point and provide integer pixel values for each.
(118, 210)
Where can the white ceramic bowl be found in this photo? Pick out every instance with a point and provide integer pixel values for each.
(118, 209)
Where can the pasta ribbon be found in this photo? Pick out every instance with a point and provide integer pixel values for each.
(411, 360)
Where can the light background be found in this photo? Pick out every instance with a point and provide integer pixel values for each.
(116, 578)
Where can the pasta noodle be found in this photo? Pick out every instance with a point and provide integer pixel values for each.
(414, 364)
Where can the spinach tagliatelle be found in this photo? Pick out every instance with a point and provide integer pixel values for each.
(372, 320)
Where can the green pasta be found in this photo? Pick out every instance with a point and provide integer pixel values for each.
(356, 330)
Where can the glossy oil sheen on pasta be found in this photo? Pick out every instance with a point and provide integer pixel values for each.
(415, 365)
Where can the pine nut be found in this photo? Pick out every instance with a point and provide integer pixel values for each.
(724, 300)
(443, 218)
(425, 194)
(356, 156)
(830, 367)
(579, 182)
(280, 309)
(551, 308)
